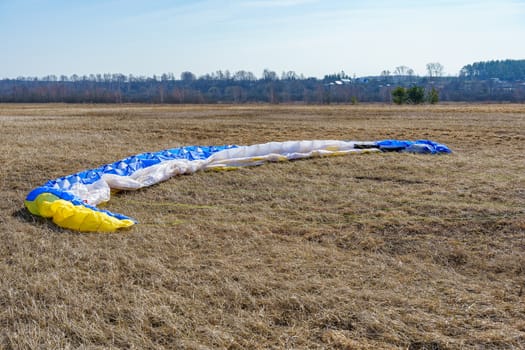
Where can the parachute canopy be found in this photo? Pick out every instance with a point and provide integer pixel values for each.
(71, 201)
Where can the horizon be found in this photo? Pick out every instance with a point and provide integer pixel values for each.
(172, 76)
(309, 37)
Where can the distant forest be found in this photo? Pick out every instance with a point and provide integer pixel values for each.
(491, 81)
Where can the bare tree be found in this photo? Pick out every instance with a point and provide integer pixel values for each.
(269, 75)
(187, 76)
(243, 75)
(434, 69)
(401, 70)
(289, 75)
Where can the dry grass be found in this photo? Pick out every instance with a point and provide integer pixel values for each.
(359, 252)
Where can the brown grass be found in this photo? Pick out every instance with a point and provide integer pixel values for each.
(360, 252)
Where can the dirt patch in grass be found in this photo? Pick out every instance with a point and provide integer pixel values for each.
(358, 252)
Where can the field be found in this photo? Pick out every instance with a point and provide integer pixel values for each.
(370, 251)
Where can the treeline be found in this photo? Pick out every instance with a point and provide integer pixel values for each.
(219, 87)
(507, 70)
(478, 84)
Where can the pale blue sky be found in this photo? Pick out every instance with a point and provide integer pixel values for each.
(313, 37)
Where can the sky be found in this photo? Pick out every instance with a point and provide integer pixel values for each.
(310, 37)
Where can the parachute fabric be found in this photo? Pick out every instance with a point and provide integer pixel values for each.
(71, 201)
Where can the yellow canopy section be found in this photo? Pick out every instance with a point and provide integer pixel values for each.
(75, 217)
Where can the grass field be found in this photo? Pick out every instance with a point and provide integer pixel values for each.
(371, 251)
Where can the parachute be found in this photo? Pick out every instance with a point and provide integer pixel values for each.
(71, 201)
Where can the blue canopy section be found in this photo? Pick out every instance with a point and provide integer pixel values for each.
(123, 167)
(418, 146)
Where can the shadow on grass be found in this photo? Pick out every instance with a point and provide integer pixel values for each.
(23, 215)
